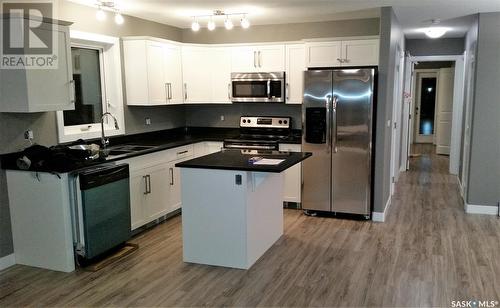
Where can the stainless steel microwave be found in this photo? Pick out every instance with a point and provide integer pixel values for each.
(258, 87)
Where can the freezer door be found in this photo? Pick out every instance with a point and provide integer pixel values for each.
(351, 141)
(316, 113)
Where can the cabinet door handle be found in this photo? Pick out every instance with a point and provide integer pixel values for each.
(166, 91)
(185, 91)
(287, 90)
(169, 90)
(72, 90)
(340, 60)
(229, 91)
(260, 59)
(171, 170)
(255, 59)
(182, 152)
(145, 177)
(149, 183)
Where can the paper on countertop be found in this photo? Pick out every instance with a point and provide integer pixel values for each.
(269, 161)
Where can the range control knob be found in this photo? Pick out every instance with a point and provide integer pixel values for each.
(280, 122)
(249, 121)
(244, 121)
(286, 122)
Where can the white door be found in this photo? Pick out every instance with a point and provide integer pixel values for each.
(360, 52)
(243, 59)
(156, 86)
(196, 71)
(323, 54)
(173, 74)
(221, 75)
(425, 109)
(444, 110)
(271, 58)
(295, 67)
(138, 190)
(158, 193)
(396, 115)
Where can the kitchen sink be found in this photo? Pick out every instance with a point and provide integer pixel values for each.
(127, 149)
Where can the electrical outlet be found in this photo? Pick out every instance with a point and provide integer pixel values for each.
(28, 135)
(148, 121)
(222, 118)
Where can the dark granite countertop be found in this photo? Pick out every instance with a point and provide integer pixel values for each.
(157, 141)
(239, 160)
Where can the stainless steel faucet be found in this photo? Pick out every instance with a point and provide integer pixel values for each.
(104, 140)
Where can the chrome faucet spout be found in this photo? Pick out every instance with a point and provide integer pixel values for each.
(104, 140)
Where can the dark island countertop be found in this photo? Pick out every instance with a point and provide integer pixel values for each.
(239, 160)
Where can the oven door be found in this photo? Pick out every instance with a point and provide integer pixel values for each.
(259, 89)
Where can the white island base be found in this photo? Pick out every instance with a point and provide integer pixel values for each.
(229, 224)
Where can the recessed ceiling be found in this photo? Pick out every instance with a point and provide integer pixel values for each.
(413, 14)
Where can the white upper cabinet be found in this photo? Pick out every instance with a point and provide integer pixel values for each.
(196, 74)
(294, 77)
(40, 89)
(323, 54)
(173, 74)
(153, 72)
(342, 53)
(360, 52)
(206, 74)
(258, 58)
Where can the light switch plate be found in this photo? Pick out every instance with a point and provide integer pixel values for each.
(148, 121)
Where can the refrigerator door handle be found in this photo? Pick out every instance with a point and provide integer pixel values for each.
(328, 123)
(334, 108)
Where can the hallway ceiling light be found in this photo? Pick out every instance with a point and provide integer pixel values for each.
(435, 32)
(108, 6)
(119, 18)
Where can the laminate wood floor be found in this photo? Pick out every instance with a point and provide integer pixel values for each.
(427, 253)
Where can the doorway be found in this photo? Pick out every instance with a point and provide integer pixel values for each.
(433, 94)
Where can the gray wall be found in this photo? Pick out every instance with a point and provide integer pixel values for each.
(202, 116)
(435, 47)
(285, 32)
(391, 38)
(484, 171)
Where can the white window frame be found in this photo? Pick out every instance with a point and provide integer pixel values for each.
(111, 87)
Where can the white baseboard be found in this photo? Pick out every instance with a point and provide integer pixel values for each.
(7, 261)
(380, 216)
(481, 209)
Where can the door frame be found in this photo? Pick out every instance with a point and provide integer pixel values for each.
(396, 119)
(419, 74)
(458, 107)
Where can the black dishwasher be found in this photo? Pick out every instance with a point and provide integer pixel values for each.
(102, 213)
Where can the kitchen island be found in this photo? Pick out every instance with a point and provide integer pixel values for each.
(232, 209)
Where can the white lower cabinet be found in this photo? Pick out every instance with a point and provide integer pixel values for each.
(207, 147)
(155, 184)
(292, 177)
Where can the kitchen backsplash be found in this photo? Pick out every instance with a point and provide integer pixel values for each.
(210, 116)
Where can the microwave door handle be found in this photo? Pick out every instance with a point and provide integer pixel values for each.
(328, 133)
(334, 110)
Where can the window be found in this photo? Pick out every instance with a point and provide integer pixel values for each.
(98, 88)
(88, 87)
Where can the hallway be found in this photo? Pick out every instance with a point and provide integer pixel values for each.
(427, 253)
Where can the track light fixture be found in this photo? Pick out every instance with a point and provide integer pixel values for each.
(103, 6)
(228, 22)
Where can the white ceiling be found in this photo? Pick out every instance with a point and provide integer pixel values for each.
(412, 14)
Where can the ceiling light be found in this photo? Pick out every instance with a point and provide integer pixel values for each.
(100, 14)
(211, 25)
(245, 23)
(119, 18)
(195, 26)
(435, 32)
(228, 24)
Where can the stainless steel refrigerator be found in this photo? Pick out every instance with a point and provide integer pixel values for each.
(337, 113)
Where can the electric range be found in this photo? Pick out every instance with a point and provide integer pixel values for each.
(260, 133)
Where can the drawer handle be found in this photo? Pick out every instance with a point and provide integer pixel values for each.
(171, 176)
(183, 152)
